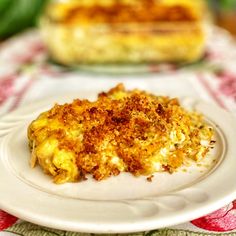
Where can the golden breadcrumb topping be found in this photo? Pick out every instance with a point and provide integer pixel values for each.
(122, 131)
(73, 12)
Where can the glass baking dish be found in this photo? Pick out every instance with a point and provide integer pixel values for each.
(121, 31)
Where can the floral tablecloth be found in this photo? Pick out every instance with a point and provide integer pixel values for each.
(27, 75)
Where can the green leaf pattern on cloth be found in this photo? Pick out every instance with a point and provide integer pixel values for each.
(29, 229)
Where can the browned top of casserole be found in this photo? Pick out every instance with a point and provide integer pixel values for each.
(143, 11)
(132, 131)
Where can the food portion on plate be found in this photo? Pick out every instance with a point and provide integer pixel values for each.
(122, 131)
(124, 31)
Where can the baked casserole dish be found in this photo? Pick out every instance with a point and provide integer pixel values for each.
(122, 131)
(124, 31)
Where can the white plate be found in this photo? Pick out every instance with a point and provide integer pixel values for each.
(119, 204)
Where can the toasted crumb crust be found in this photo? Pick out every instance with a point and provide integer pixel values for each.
(122, 130)
(142, 11)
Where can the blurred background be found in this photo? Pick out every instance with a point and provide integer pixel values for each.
(120, 32)
(17, 15)
(224, 12)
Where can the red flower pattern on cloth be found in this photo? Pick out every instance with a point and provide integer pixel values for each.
(6, 220)
(6, 87)
(227, 84)
(220, 221)
(35, 50)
